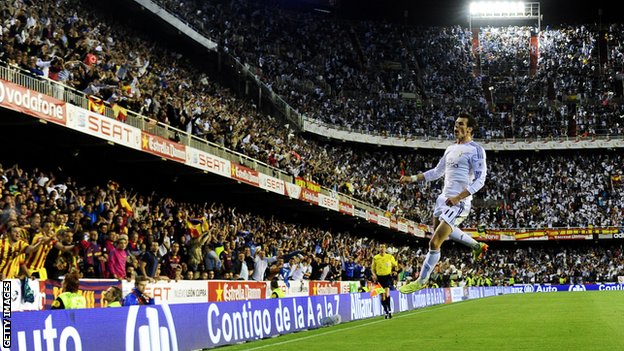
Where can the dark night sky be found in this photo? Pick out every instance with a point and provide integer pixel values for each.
(445, 12)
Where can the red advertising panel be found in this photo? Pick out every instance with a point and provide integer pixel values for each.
(372, 216)
(394, 224)
(236, 290)
(346, 208)
(163, 147)
(324, 288)
(245, 174)
(20, 99)
(309, 196)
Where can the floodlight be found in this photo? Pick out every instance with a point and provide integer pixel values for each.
(504, 10)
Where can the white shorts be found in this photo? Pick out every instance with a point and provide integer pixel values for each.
(452, 215)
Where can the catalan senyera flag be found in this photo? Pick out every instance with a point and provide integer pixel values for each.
(123, 202)
(120, 113)
(96, 104)
(197, 227)
(377, 290)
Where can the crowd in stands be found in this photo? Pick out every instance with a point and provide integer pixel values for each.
(108, 232)
(94, 231)
(402, 80)
(75, 47)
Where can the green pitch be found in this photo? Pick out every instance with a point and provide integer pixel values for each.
(540, 321)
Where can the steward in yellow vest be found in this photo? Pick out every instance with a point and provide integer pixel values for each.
(70, 298)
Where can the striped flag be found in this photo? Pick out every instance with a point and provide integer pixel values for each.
(96, 104)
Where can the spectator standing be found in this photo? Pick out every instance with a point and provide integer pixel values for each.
(118, 258)
(94, 258)
(138, 296)
(261, 263)
(239, 268)
(149, 261)
(11, 248)
(36, 260)
(211, 260)
(170, 262)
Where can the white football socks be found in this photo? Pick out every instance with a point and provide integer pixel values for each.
(462, 237)
(432, 258)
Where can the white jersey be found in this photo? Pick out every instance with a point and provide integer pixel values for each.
(463, 167)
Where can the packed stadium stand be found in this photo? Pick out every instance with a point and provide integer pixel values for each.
(371, 77)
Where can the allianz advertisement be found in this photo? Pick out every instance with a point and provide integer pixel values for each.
(530, 288)
(195, 326)
(205, 325)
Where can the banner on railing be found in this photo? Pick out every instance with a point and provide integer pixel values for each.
(402, 226)
(23, 100)
(271, 184)
(307, 184)
(544, 234)
(346, 208)
(542, 288)
(207, 325)
(324, 287)
(309, 196)
(372, 216)
(383, 221)
(328, 202)
(207, 162)
(246, 175)
(162, 147)
(236, 290)
(103, 127)
(173, 292)
(293, 191)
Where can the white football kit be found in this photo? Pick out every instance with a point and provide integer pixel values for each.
(463, 167)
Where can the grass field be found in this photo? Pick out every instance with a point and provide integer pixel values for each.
(540, 321)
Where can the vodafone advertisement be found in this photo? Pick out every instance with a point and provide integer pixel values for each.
(20, 99)
(163, 147)
(103, 127)
(207, 162)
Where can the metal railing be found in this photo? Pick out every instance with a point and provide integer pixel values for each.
(72, 96)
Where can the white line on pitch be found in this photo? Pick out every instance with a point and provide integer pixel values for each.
(404, 314)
